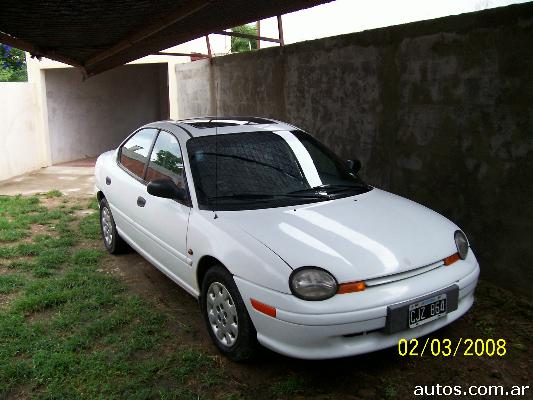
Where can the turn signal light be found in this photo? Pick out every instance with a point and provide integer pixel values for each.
(264, 308)
(351, 287)
(451, 259)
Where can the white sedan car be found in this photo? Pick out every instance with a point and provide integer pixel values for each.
(282, 242)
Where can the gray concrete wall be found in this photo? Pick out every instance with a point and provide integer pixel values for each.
(86, 118)
(438, 111)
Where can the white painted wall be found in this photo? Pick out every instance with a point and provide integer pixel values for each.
(87, 118)
(20, 135)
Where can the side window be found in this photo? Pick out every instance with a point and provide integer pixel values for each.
(134, 153)
(324, 160)
(166, 161)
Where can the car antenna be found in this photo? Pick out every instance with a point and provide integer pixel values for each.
(216, 152)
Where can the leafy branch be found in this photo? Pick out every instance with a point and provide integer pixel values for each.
(12, 64)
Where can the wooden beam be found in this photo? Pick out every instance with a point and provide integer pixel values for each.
(162, 53)
(258, 29)
(208, 43)
(280, 31)
(37, 51)
(160, 42)
(183, 12)
(246, 36)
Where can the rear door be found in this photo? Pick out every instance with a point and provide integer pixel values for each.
(127, 187)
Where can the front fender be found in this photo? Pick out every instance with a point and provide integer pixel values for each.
(243, 255)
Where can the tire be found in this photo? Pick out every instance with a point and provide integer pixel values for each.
(224, 312)
(112, 240)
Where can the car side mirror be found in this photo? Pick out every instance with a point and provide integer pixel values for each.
(353, 166)
(166, 189)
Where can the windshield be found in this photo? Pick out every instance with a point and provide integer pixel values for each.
(253, 170)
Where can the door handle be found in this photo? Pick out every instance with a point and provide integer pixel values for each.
(107, 180)
(141, 201)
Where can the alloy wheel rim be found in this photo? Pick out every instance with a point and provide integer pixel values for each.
(222, 314)
(107, 226)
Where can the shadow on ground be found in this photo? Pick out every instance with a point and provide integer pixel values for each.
(384, 374)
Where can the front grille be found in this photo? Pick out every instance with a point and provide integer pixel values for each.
(351, 335)
(403, 275)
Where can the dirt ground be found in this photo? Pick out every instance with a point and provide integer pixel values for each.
(497, 314)
(384, 374)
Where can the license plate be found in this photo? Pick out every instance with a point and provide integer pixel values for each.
(427, 310)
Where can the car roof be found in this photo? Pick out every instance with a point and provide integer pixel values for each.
(206, 126)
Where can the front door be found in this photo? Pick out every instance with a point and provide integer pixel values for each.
(164, 220)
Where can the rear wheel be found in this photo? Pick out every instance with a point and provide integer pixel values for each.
(112, 241)
(226, 317)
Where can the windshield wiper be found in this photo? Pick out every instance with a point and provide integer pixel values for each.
(250, 196)
(266, 196)
(331, 188)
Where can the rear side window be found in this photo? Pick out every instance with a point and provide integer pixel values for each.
(166, 161)
(134, 153)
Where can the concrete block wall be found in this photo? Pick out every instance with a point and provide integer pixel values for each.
(439, 111)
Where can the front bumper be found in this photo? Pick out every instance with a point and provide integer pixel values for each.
(354, 323)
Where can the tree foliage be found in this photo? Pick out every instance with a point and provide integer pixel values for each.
(169, 161)
(238, 45)
(12, 64)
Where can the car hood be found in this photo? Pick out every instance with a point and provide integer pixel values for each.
(355, 238)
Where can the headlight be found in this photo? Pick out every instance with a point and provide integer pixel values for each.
(462, 244)
(312, 283)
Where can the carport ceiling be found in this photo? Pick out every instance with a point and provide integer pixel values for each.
(97, 35)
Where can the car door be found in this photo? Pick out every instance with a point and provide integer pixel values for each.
(127, 187)
(166, 220)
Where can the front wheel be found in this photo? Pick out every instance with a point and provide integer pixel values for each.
(226, 317)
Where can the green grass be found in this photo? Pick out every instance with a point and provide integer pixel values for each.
(13, 235)
(53, 193)
(76, 207)
(87, 257)
(52, 258)
(21, 265)
(15, 204)
(89, 226)
(10, 283)
(7, 252)
(390, 391)
(70, 331)
(485, 328)
(18, 214)
(288, 387)
(48, 253)
(93, 204)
